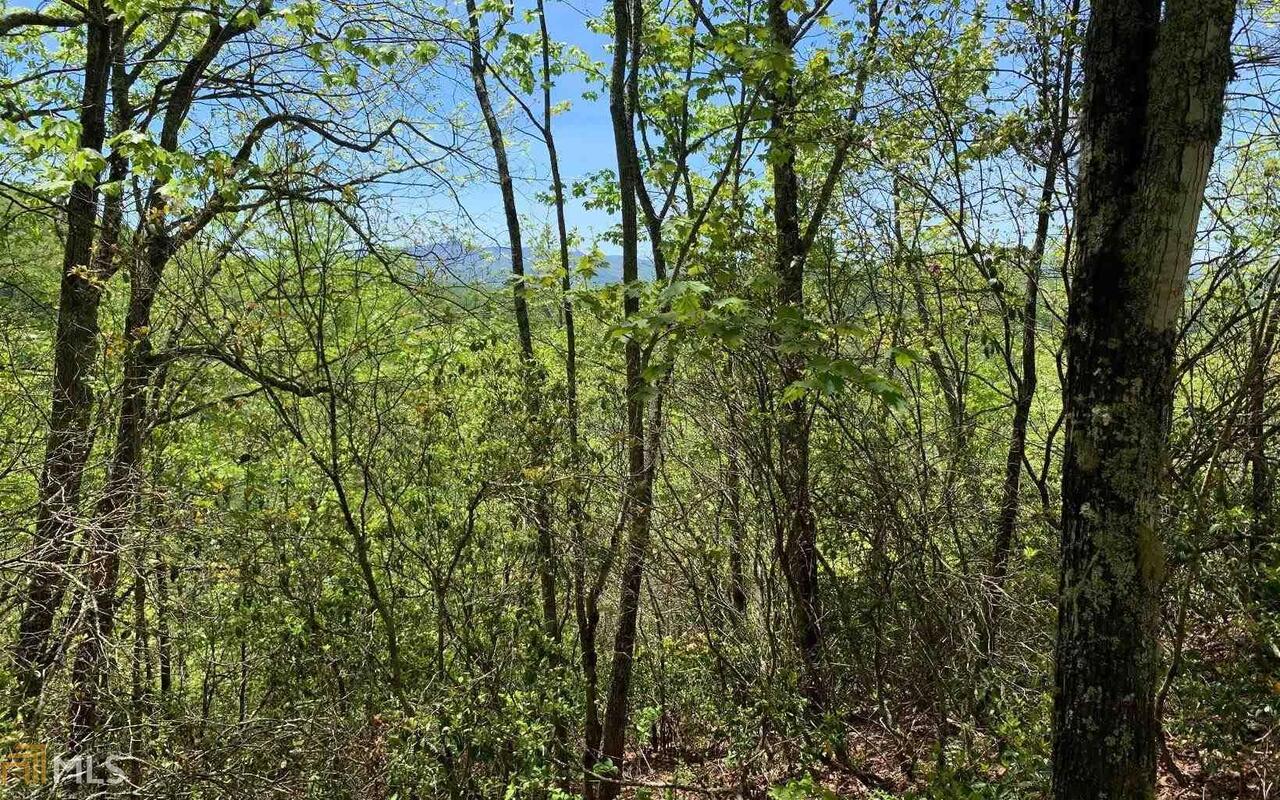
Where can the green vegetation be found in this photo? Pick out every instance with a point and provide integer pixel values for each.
(892, 416)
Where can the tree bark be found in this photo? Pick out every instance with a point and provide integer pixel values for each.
(1261, 477)
(1026, 379)
(796, 528)
(119, 500)
(1152, 116)
(164, 654)
(737, 525)
(75, 352)
(140, 684)
(588, 614)
(638, 485)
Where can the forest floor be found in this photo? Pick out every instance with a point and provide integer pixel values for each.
(895, 768)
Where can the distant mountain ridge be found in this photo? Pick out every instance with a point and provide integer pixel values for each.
(453, 259)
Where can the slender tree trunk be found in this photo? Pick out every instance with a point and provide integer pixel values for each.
(1153, 107)
(1026, 379)
(119, 501)
(1261, 484)
(638, 485)
(533, 382)
(164, 654)
(796, 528)
(1261, 477)
(588, 613)
(69, 439)
(737, 526)
(360, 538)
(140, 686)
(586, 609)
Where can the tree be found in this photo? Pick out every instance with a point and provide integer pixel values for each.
(1055, 102)
(638, 480)
(84, 272)
(796, 533)
(425, 451)
(1155, 82)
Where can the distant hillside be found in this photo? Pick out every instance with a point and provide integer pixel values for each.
(455, 260)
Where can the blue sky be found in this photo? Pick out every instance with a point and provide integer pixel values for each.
(583, 135)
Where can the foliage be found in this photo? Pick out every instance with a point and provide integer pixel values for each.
(375, 545)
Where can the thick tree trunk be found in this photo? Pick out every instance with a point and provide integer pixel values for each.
(75, 351)
(1153, 106)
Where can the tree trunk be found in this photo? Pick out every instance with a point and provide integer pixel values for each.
(1026, 379)
(75, 351)
(638, 480)
(796, 529)
(533, 377)
(115, 510)
(737, 526)
(533, 382)
(164, 655)
(588, 614)
(120, 495)
(1153, 106)
(1261, 478)
(139, 679)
